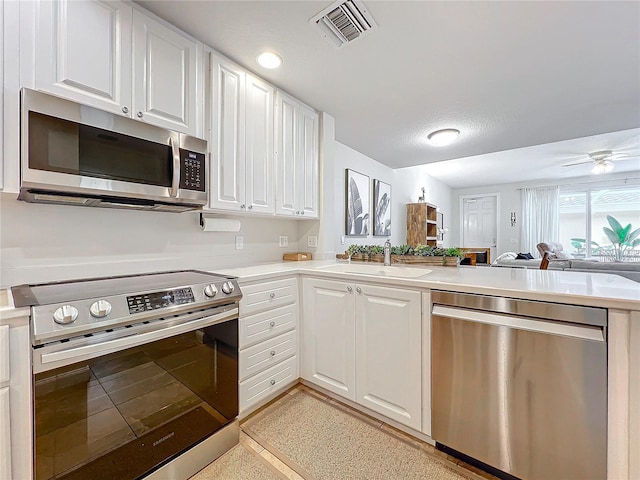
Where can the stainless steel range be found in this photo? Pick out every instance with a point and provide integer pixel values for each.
(134, 376)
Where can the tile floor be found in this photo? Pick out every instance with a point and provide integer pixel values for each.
(267, 456)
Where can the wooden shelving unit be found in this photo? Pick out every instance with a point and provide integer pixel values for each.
(422, 225)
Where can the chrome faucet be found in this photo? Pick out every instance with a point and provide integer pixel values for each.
(387, 253)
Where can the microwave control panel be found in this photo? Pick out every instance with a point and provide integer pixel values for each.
(192, 171)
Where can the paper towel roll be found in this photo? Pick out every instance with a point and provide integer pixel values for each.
(219, 224)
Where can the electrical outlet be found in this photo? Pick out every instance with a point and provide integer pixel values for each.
(284, 241)
(312, 241)
(239, 242)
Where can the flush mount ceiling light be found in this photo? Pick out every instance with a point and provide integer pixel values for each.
(269, 60)
(443, 137)
(602, 166)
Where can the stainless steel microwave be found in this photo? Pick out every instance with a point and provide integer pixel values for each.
(78, 155)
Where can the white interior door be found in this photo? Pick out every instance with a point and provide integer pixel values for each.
(479, 222)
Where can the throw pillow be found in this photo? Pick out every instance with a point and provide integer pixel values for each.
(524, 256)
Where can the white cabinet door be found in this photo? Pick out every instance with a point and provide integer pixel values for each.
(327, 337)
(165, 69)
(227, 181)
(388, 352)
(83, 52)
(259, 150)
(287, 153)
(307, 172)
(5, 435)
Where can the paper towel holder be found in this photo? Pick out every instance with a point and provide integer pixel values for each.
(213, 224)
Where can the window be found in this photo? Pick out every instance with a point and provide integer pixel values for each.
(583, 215)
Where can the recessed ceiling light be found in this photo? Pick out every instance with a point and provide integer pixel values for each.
(443, 137)
(269, 60)
(604, 166)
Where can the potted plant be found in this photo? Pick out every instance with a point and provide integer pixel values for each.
(420, 254)
(622, 238)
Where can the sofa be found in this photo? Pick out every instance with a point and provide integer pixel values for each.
(559, 260)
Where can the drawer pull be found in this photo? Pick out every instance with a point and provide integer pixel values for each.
(272, 324)
(272, 353)
(273, 382)
(272, 295)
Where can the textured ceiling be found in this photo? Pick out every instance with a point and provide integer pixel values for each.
(507, 74)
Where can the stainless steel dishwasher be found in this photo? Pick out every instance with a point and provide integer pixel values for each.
(521, 385)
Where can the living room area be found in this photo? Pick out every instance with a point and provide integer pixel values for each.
(585, 217)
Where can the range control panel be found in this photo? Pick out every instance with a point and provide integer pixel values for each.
(155, 300)
(192, 174)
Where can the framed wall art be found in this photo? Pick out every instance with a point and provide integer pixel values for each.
(357, 203)
(381, 208)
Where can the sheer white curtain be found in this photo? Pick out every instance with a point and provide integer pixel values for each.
(539, 217)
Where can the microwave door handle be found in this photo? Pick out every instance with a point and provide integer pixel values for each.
(175, 181)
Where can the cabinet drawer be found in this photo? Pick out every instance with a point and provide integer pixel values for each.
(267, 354)
(262, 326)
(268, 295)
(266, 383)
(4, 354)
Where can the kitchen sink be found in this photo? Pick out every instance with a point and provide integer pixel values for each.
(378, 270)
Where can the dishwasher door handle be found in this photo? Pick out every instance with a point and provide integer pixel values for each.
(522, 323)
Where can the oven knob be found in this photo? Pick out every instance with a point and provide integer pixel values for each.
(211, 290)
(100, 309)
(227, 287)
(65, 314)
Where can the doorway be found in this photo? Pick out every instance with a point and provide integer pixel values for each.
(479, 221)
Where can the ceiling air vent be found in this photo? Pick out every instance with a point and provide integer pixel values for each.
(344, 22)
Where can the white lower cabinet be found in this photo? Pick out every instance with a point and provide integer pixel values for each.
(15, 402)
(268, 341)
(364, 343)
(5, 434)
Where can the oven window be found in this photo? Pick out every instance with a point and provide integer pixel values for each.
(124, 414)
(57, 145)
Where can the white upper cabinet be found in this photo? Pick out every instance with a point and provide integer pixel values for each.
(259, 145)
(83, 52)
(165, 69)
(112, 56)
(241, 139)
(227, 135)
(296, 158)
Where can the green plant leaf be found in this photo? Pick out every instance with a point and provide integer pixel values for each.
(622, 234)
(615, 224)
(632, 236)
(613, 236)
(635, 243)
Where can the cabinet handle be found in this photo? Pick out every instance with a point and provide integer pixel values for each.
(301, 212)
(273, 382)
(349, 289)
(125, 110)
(272, 295)
(272, 353)
(358, 289)
(272, 324)
(250, 207)
(140, 114)
(243, 206)
(297, 212)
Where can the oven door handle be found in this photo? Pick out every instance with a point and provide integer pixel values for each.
(50, 357)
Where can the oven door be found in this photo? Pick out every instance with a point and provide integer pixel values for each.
(121, 404)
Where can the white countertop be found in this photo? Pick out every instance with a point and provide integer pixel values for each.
(578, 288)
(9, 314)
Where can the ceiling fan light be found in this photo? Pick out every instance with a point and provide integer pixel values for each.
(443, 137)
(602, 167)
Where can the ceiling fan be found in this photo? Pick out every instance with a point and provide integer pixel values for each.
(603, 160)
